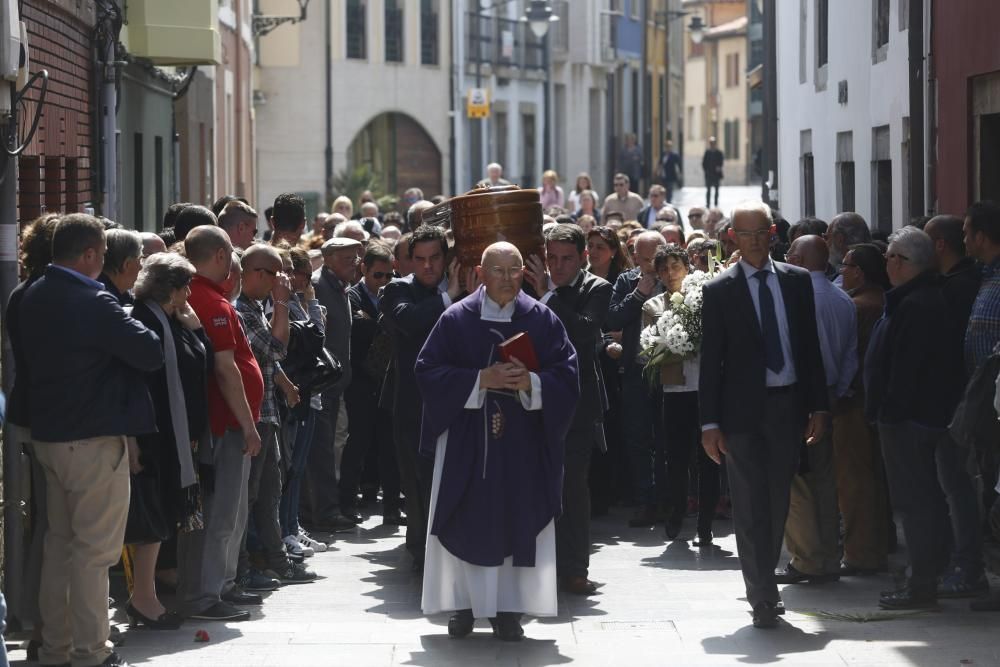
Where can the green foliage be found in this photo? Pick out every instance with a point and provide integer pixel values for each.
(352, 182)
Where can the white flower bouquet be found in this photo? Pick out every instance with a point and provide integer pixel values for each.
(675, 336)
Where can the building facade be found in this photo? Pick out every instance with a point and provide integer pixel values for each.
(843, 112)
(715, 89)
(361, 83)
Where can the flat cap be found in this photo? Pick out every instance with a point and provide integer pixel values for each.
(339, 243)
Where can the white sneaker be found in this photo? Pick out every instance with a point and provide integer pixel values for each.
(294, 547)
(306, 541)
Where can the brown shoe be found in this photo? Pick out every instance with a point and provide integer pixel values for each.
(579, 586)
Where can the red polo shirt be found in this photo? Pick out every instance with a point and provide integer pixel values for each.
(223, 327)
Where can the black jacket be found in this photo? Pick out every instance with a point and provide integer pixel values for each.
(711, 164)
(644, 215)
(912, 374)
(409, 312)
(733, 378)
(582, 307)
(625, 315)
(83, 352)
(961, 285)
(364, 328)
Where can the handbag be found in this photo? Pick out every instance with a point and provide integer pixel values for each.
(146, 523)
(308, 363)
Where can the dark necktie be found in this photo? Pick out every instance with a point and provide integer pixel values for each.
(774, 359)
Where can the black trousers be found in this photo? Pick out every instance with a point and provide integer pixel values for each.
(709, 184)
(573, 526)
(369, 433)
(761, 465)
(915, 493)
(683, 438)
(321, 498)
(415, 475)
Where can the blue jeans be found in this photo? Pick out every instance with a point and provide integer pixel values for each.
(288, 511)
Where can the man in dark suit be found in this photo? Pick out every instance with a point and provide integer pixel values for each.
(86, 359)
(410, 307)
(711, 164)
(632, 289)
(580, 300)
(762, 387)
(657, 199)
(368, 372)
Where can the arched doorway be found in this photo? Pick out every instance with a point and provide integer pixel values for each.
(400, 152)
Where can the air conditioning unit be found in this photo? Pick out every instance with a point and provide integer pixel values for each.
(12, 36)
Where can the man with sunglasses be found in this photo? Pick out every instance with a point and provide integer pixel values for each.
(369, 357)
(623, 200)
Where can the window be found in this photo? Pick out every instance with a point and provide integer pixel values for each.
(808, 174)
(528, 174)
(731, 139)
(691, 131)
(429, 32)
(500, 137)
(394, 31)
(137, 183)
(881, 180)
(732, 70)
(880, 29)
(357, 27)
(822, 32)
(845, 172)
(596, 132)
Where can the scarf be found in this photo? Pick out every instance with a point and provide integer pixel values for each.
(175, 396)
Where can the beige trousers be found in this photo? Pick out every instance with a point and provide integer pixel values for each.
(88, 495)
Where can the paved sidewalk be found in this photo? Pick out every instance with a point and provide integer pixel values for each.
(661, 604)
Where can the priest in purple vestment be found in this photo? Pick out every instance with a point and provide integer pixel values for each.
(496, 431)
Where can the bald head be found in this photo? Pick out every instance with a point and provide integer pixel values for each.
(498, 250)
(204, 242)
(261, 255)
(812, 252)
(152, 244)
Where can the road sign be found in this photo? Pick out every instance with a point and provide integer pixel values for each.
(477, 104)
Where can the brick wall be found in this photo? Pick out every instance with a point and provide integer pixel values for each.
(55, 170)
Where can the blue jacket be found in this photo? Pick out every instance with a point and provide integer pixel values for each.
(86, 357)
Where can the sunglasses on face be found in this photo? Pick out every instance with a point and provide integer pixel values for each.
(379, 275)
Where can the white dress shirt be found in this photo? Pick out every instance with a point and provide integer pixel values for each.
(786, 375)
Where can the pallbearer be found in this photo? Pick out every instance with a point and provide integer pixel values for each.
(496, 429)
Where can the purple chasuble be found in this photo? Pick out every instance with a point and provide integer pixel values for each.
(501, 481)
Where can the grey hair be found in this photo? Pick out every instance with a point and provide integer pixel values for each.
(340, 230)
(161, 274)
(853, 227)
(123, 245)
(916, 245)
(750, 206)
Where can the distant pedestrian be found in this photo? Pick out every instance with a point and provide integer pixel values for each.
(670, 169)
(711, 164)
(630, 160)
(550, 193)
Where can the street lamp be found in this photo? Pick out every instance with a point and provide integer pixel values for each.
(539, 15)
(697, 29)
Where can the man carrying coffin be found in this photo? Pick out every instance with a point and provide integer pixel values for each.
(495, 423)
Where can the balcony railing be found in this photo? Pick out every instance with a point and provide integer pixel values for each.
(609, 37)
(503, 43)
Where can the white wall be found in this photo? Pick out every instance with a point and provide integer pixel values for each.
(877, 95)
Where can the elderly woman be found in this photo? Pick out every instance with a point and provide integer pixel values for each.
(166, 496)
(681, 428)
(122, 261)
(587, 203)
(550, 193)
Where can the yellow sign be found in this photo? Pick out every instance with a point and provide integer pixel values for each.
(477, 103)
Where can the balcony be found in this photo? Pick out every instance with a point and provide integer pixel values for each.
(609, 37)
(503, 44)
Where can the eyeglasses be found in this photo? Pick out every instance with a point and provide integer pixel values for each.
(500, 272)
(379, 275)
(758, 233)
(894, 255)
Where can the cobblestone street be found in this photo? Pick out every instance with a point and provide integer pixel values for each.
(661, 604)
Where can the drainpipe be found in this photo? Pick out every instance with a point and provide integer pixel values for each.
(917, 64)
(109, 25)
(328, 152)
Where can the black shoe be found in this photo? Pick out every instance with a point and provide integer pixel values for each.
(352, 515)
(257, 581)
(765, 615)
(335, 524)
(222, 611)
(991, 603)
(673, 526)
(907, 598)
(239, 597)
(644, 517)
(790, 576)
(114, 660)
(166, 621)
(293, 573)
(31, 647)
(704, 539)
(461, 623)
(394, 518)
(507, 627)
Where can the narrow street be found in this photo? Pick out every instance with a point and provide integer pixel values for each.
(660, 605)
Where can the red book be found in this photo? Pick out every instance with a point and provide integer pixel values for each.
(520, 346)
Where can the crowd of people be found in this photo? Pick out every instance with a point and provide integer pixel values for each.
(223, 402)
